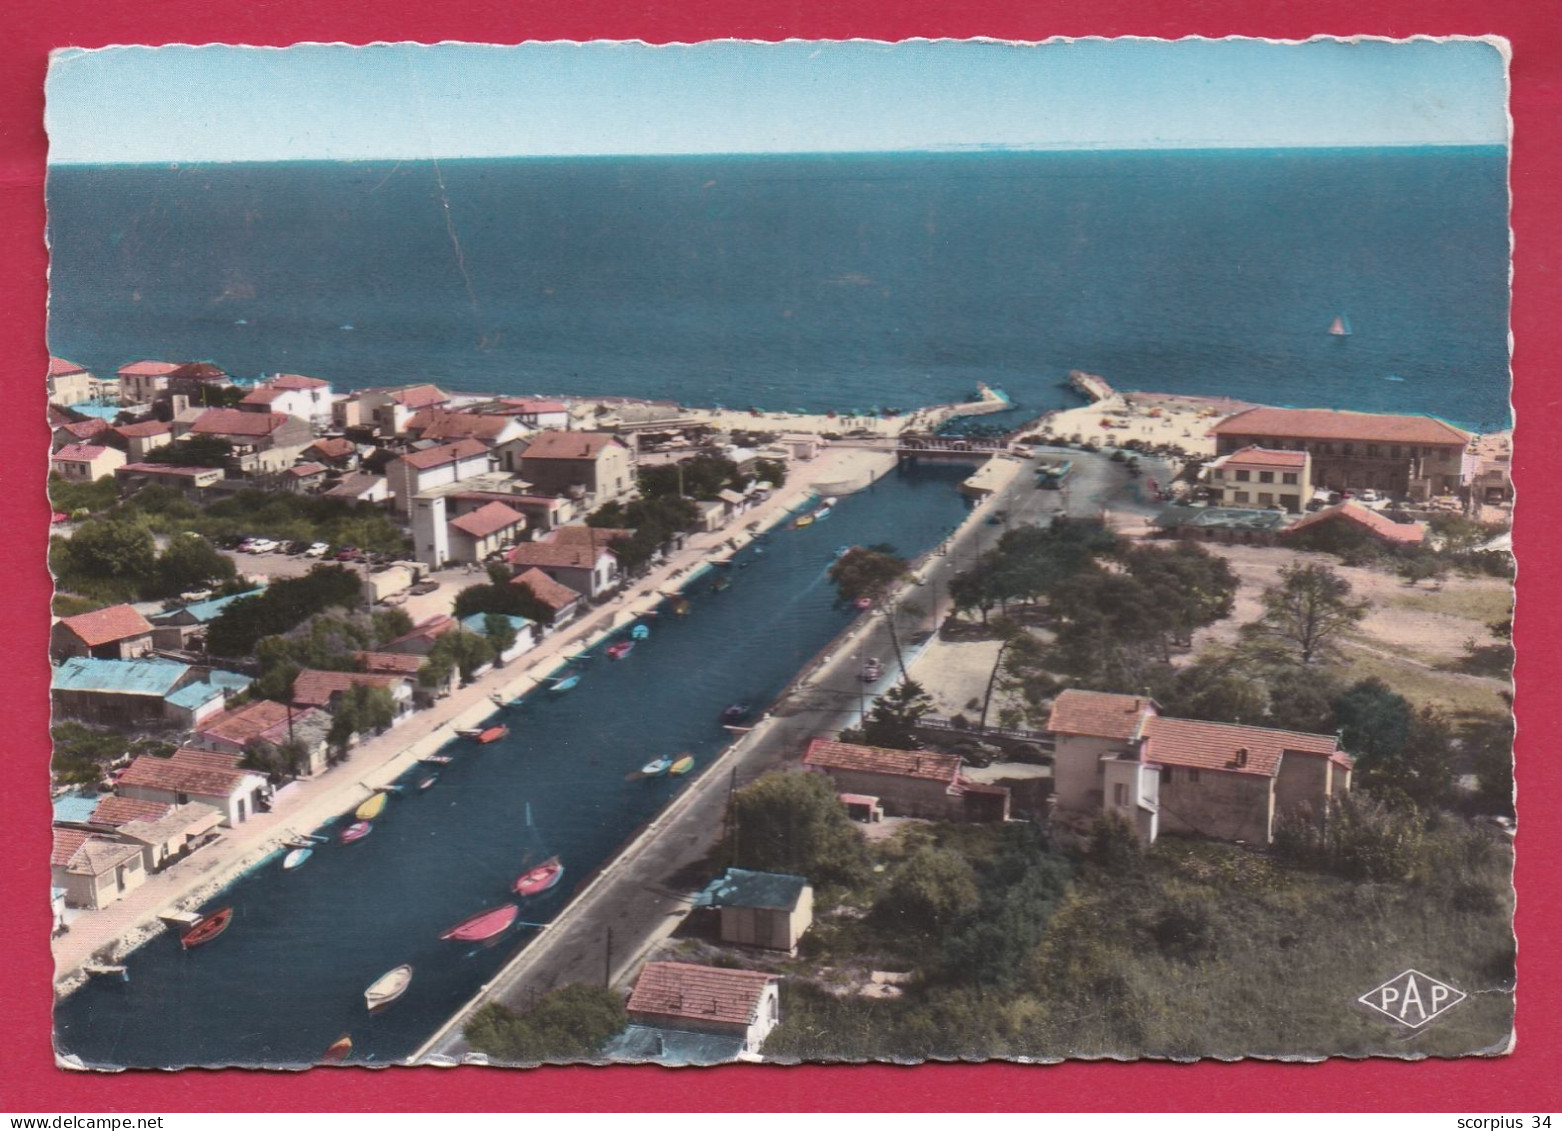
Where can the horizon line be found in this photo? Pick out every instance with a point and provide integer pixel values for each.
(952, 149)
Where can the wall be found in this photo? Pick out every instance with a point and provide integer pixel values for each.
(1076, 770)
(901, 796)
(1225, 806)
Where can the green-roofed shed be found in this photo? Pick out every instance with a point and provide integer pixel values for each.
(1222, 524)
(768, 909)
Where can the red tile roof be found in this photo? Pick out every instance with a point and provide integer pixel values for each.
(297, 381)
(1217, 746)
(1328, 424)
(389, 663)
(237, 422)
(354, 486)
(253, 720)
(420, 396)
(148, 368)
(59, 367)
(104, 626)
(828, 754)
(168, 469)
(529, 406)
(303, 470)
(116, 811)
(557, 555)
(332, 447)
(440, 424)
(431, 629)
(429, 458)
(87, 853)
(1099, 714)
(84, 452)
(86, 429)
(554, 594)
(699, 993)
(207, 759)
(1404, 533)
(145, 428)
(569, 445)
(262, 394)
(184, 775)
(66, 844)
(1254, 456)
(60, 418)
(601, 537)
(487, 520)
(314, 688)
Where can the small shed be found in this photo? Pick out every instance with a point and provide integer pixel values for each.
(767, 909)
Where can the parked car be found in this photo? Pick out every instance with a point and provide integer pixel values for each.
(193, 595)
(871, 670)
(262, 546)
(318, 550)
(349, 554)
(1369, 496)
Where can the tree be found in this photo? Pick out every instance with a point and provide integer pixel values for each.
(276, 760)
(867, 573)
(572, 1023)
(771, 471)
(503, 595)
(1307, 611)
(703, 477)
(1011, 635)
(281, 607)
(81, 753)
(1401, 754)
(1195, 587)
(390, 624)
(1424, 566)
(189, 562)
(68, 496)
(932, 889)
(1221, 688)
(1110, 632)
(500, 632)
(463, 651)
(119, 553)
(892, 720)
(361, 709)
(790, 822)
(1374, 723)
(1489, 740)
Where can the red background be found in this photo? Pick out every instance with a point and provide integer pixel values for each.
(29, 1082)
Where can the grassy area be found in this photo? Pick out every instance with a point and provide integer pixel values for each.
(1199, 949)
(1450, 691)
(1484, 604)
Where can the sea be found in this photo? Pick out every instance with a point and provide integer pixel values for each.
(817, 282)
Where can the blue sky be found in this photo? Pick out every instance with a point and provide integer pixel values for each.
(458, 100)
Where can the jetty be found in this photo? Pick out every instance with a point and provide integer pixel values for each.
(1094, 389)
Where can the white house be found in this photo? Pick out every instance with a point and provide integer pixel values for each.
(308, 398)
(418, 472)
(196, 775)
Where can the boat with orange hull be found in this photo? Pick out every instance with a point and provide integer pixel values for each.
(541, 878)
(484, 925)
(206, 928)
(492, 734)
(340, 1050)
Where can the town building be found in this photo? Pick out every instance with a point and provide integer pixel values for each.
(698, 1014)
(1118, 754)
(263, 442)
(565, 603)
(1235, 525)
(1261, 477)
(443, 426)
(581, 464)
(69, 383)
(182, 628)
(1416, 456)
(303, 478)
(144, 693)
(316, 688)
(86, 463)
(94, 870)
(472, 536)
(136, 440)
(197, 775)
(764, 909)
(336, 452)
(907, 783)
(191, 481)
(421, 640)
(360, 488)
(537, 413)
(586, 565)
(308, 398)
(164, 833)
(141, 381)
(419, 472)
(265, 720)
(68, 432)
(115, 633)
(527, 633)
(387, 410)
(1347, 523)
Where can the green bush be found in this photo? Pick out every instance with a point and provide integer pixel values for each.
(572, 1023)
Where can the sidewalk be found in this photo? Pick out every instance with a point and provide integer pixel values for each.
(110, 934)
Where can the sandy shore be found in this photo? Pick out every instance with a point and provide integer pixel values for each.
(1152, 418)
(299, 807)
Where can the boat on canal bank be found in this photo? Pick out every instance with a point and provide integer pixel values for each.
(206, 928)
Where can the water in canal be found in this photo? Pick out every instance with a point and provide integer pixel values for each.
(288, 976)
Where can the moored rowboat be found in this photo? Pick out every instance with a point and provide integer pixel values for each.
(620, 650)
(493, 734)
(388, 987)
(356, 831)
(207, 928)
(566, 683)
(428, 781)
(540, 878)
(681, 766)
(371, 808)
(339, 1050)
(296, 858)
(483, 925)
(656, 767)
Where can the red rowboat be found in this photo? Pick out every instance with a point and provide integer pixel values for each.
(540, 878)
(207, 928)
(357, 831)
(339, 1048)
(620, 650)
(483, 925)
(493, 734)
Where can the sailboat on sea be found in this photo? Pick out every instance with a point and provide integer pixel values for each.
(1340, 327)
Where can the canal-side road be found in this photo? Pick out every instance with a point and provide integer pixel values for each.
(636, 899)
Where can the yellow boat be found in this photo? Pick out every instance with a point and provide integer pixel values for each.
(371, 808)
(681, 766)
(806, 520)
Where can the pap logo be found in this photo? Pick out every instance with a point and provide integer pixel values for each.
(1413, 998)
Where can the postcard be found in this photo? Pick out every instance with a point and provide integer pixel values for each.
(777, 552)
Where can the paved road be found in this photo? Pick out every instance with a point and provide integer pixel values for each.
(639, 897)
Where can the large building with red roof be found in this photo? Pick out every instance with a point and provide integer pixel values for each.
(593, 464)
(907, 783)
(1118, 754)
(115, 633)
(742, 1005)
(1261, 477)
(1418, 456)
(308, 398)
(262, 441)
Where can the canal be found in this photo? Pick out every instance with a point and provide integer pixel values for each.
(287, 978)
